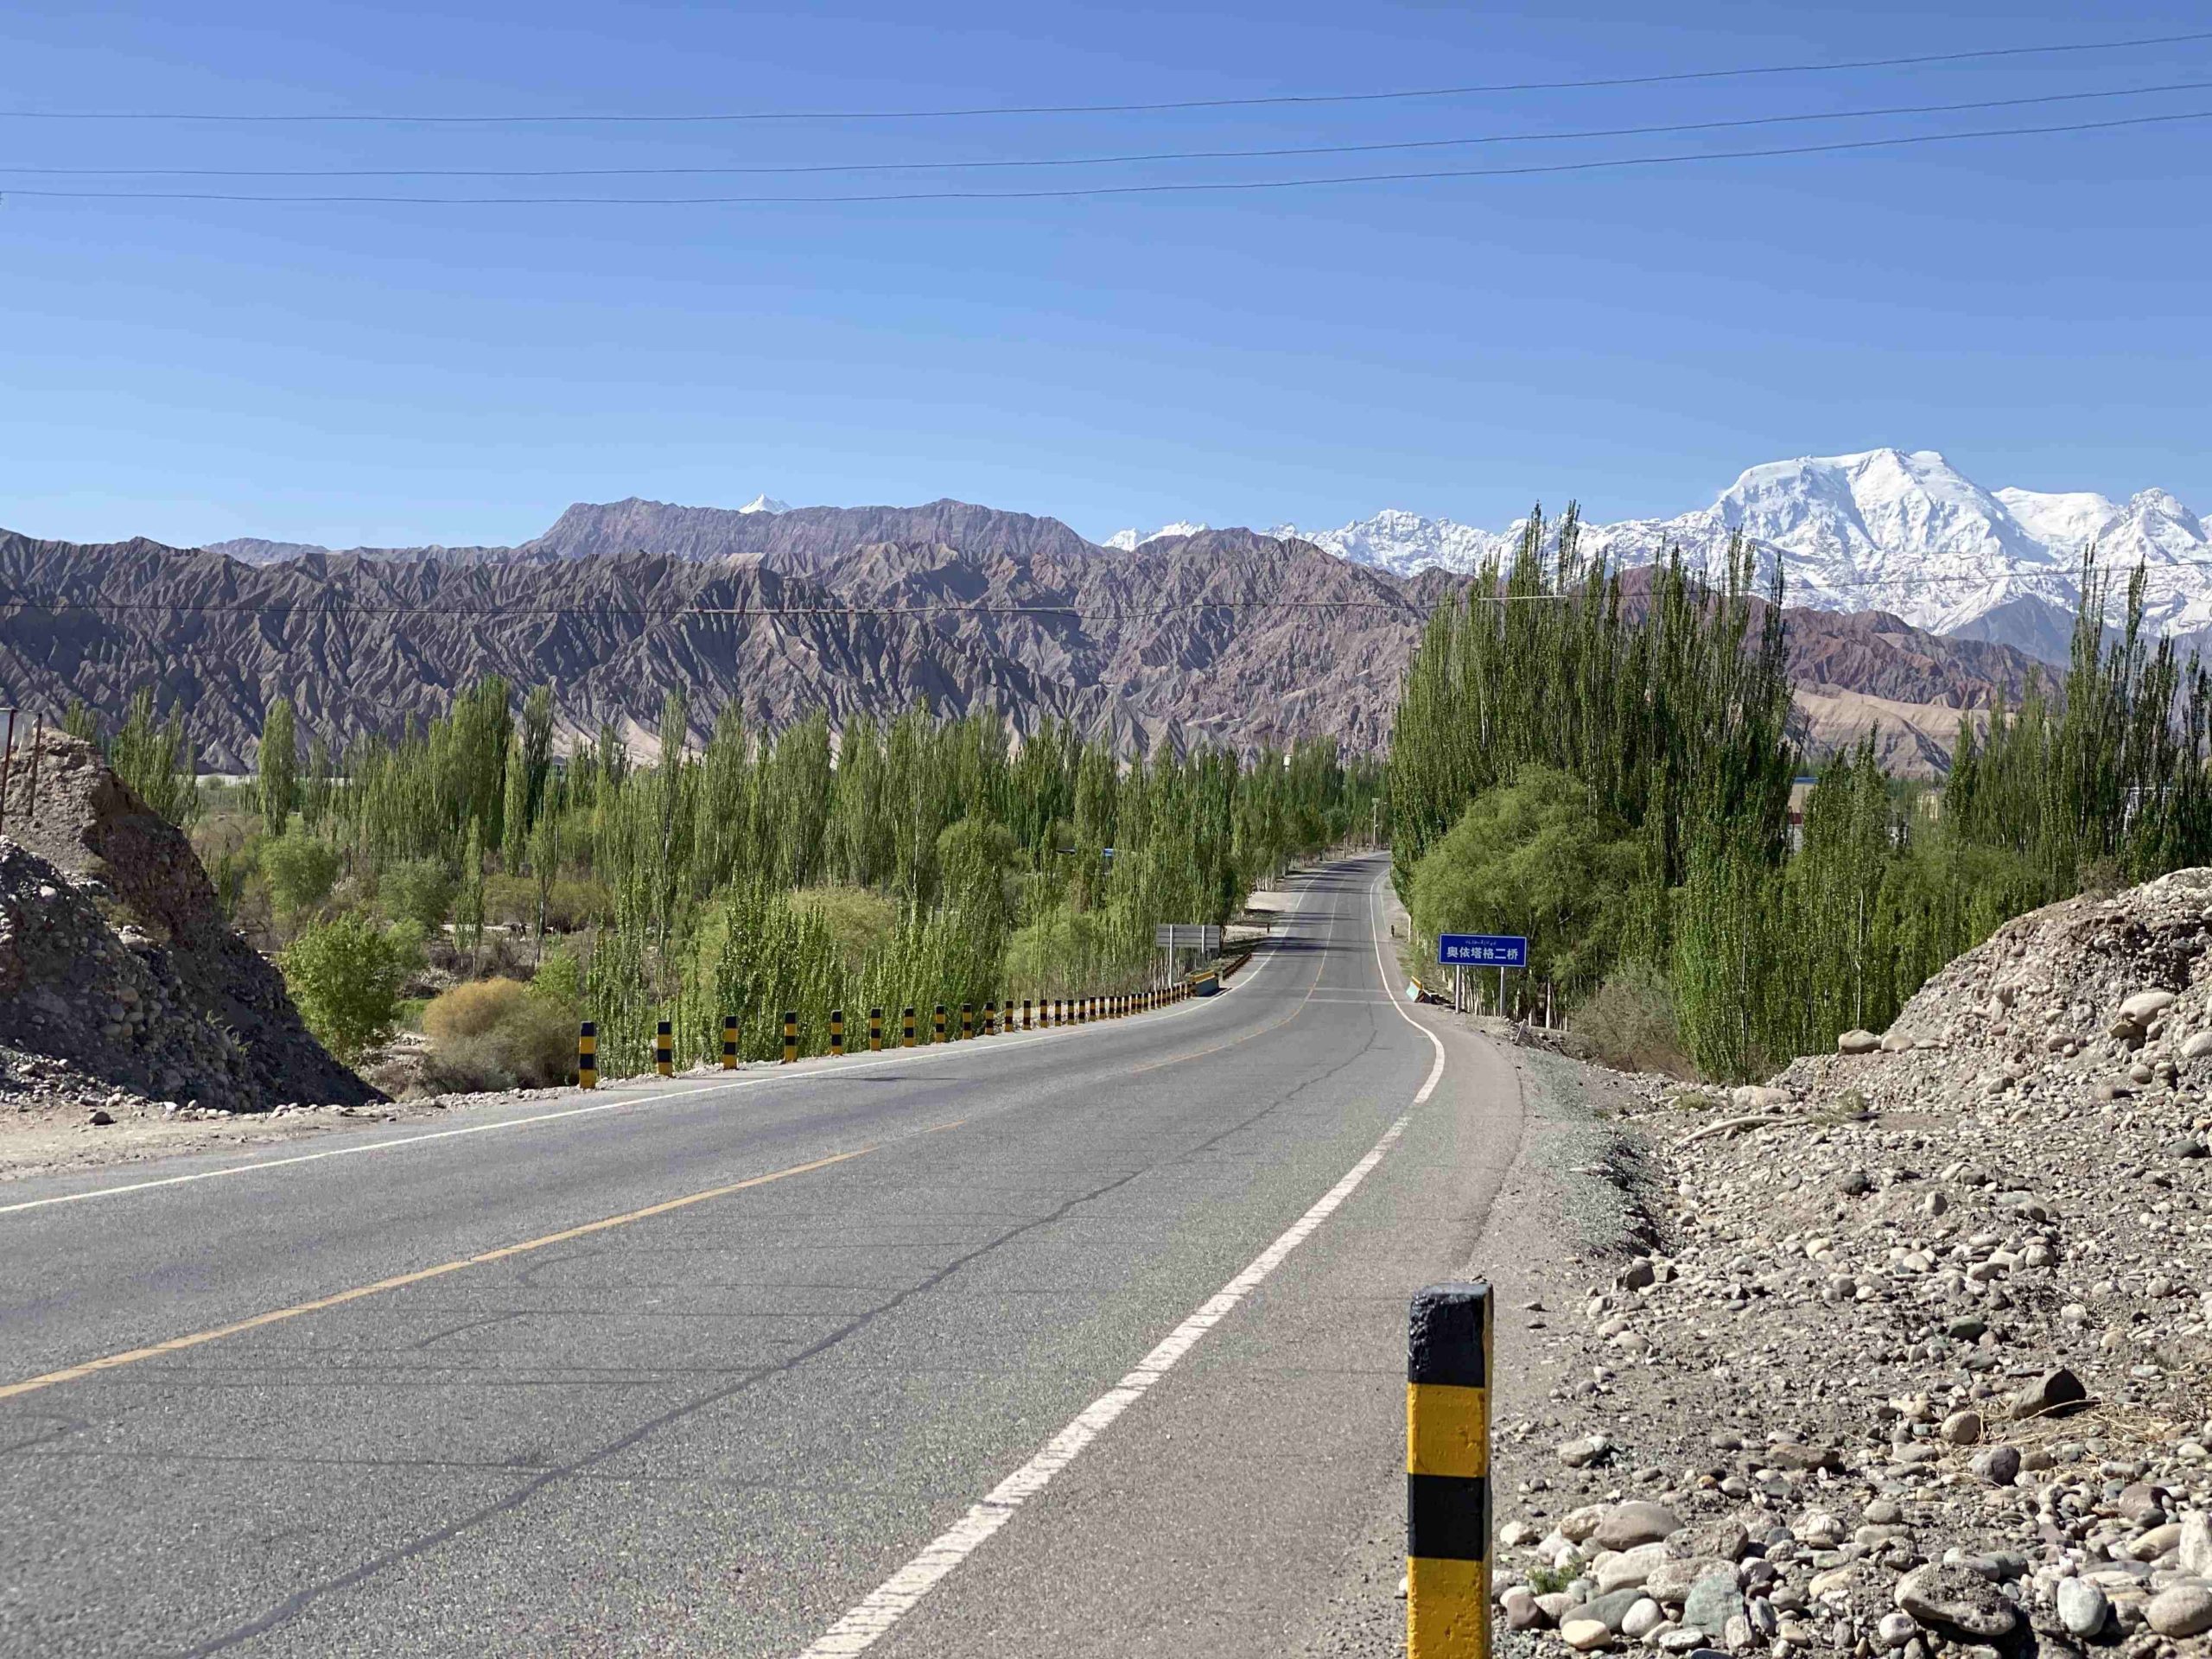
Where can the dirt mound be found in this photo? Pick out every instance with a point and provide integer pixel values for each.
(115, 955)
(2094, 999)
(1928, 1334)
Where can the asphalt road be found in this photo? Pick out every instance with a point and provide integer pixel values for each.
(1087, 1342)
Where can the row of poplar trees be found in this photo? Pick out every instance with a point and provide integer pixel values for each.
(724, 878)
(1669, 701)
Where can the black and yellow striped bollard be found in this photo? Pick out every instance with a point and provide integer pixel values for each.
(1025, 1013)
(836, 1032)
(967, 1020)
(875, 1030)
(663, 1050)
(990, 1019)
(790, 1036)
(588, 1055)
(907, 1029)
(937, 1024)
(1447, 1473)
(729, 1042)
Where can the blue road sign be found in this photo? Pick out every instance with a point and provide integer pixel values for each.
(1482, 950)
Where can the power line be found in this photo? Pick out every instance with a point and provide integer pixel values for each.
(1673, 77)
(1128, 159)
(1217, 186)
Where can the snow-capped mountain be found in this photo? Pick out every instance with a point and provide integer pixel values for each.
(1130, 540)
(766, 504)
(1887, 530)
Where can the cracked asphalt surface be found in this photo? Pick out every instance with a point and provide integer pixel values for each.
(714, 1427)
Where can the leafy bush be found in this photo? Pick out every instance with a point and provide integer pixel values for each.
(1536, 857)
(858, 920)
(300, 869)
(345, 976)
(419, 890)
(511, 901)
(1630, 1024)
(494, 1034)
(560, 981)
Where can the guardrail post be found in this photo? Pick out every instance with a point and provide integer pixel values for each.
(588, 1055)
(1447, 1472)
(1025, 1013)
(663, 1050)
(907, 1029)
(937, 1024)
(990, 1019)
(836, 1031)
(729, 1042)
(790, 1036)
(875, 1030)
(967, 1020)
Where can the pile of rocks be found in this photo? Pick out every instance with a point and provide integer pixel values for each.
(116, 958)
(2087, 1002)
(1923, 1362)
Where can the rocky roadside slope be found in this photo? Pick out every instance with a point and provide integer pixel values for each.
(121, 980)
(1921, 1361)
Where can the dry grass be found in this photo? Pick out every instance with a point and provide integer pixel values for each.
(495, 1033)
(1629, 1025)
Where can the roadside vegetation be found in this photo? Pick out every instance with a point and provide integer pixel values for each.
(1613, 780)
(510, 890)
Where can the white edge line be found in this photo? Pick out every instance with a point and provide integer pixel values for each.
(1390, 987)
(869, 1621)
(700, 1090)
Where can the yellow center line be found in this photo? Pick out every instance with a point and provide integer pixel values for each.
(72, 1373)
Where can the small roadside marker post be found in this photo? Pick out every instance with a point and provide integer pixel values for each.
(907, 1029)
(875, 1030)
(1447, 1472)
(990, 1019)
(1025, 1013)
(790, 1036)
(967, 1020)
(663, 1050)
(729, 1042)
(836, 1031)
(937, 1024)
(588, 1055)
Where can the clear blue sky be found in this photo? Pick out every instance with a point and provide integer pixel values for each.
(2034, 306)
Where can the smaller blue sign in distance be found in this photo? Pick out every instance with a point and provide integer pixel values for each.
(1482, 950)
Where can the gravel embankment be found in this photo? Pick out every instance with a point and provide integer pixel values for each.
(1919, 1360)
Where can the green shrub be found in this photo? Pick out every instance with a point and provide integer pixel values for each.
(560, 981)
(345, 976)
(420, 890)
(511, 901)
(494, 1034)
(1538, 857)
(858, 920)
(300, 869)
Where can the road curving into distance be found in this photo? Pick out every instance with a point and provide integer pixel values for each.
(1081, 1342)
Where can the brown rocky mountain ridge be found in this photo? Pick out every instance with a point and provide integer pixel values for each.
(1225, 637)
